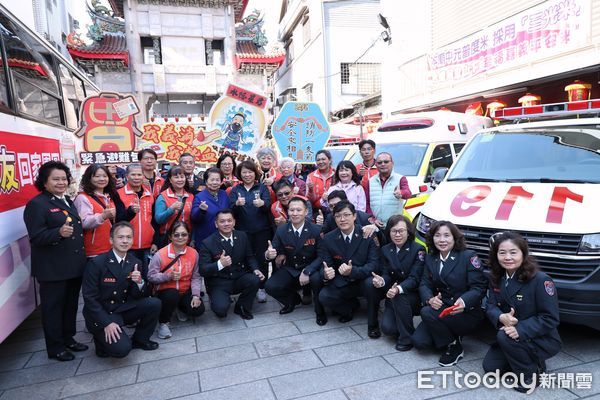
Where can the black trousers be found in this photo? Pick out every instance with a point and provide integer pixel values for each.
(219, 290)
(440, 332)
(146, 313)
(171, 298)
(342, 300)
(283, 286)
(398, 316)
(316, 284)
(59, 311)
(259, 242)
(520, 357)
(374, 296)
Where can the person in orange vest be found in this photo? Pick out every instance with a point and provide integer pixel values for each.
(284, 190)
(148, 160)
(174, 272)
(319, 181)
(368, 168)
(139, 201)
(174, 203)
(99, 206)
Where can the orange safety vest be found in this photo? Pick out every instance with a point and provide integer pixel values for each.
(159, 181)
(143, 232)
(278, 210)
(96, 241)
(369, 173)
(321, 185)
(171, 198)
(186, 264)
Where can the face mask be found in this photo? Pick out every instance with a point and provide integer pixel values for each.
(236, 126)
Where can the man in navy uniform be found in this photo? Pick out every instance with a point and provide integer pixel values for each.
(115, 295)
(294, 249)
(363, 219)
(348, 259)
(227, 262)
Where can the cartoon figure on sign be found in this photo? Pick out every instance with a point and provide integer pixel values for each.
(102, 128)
(234, 132)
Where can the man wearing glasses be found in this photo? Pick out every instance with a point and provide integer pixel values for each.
(387, 191)
(348, 259)
(284, 190)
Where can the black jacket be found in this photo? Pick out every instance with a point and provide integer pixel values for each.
(364, 254)
(242, 256)
(404, 267)
(108, 289)
(54, 258)
(300, 253)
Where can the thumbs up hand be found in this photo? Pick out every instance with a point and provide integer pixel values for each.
(67, 229)
(136, 275)
(345, 269)
(203, 206)
(508, 319)
(176, 274)
(328, 272)
(271, 253)
(378, 281)
(320, 219)
(393, 291)
(225, 259)
(436, 302)
(241, 201)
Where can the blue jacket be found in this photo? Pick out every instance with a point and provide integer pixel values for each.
(204, 220)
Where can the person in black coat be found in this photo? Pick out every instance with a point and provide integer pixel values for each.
(348, 258)
(452, 277)
(57, 257)
(227, 262)
(401, 270)
(294, 248)
(115, 295)
(523, 307)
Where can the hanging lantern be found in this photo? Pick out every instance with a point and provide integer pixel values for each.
(493, 107)
(166, 119)
(474, 109)
(530, 100)
(176, 119)
(579, 91)
(202, 117)
(151, 119)
(189, 119)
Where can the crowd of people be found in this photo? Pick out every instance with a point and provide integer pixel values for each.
(141, 247)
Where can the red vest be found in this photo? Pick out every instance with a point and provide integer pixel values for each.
(321, 185)
(186, 264)
(143, 231)
(96, 241)
(171, 198)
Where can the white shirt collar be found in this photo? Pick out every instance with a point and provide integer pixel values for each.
(119, 259)
(346, 236)
(299, 230)
(226, 238)
(445, 258)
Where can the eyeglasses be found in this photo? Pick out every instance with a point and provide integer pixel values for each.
(227, 164)
(148, 158)
(394, 232)
(180, 235)
(384, 162)
(341, 216)
(283, 194)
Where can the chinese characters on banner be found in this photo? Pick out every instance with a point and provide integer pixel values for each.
(552, 27)
(300, 130)
(20, 159)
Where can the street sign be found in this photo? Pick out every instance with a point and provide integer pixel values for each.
(300, 130)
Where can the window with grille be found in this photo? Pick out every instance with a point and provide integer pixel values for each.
(360, 78)
(308, 92)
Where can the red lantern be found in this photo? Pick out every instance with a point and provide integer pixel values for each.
(579, 91)
(151, 119)
(176, 119)
(493, 107)
(474, 109)
(189, 119)
(530, 100)
(166, 119)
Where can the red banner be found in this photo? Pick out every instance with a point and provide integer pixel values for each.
(20, 159)
(246, 96)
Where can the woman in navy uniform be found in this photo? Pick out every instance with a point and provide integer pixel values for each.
(295, 247)
(57, 257)
(348, 259)
(402, 267)
(523, 306)
(452, 277)
(228, 264)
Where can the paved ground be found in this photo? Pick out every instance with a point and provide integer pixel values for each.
(269, 357)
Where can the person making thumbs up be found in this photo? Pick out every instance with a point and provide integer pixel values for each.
(206, 204)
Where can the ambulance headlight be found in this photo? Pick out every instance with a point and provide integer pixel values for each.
(590, 243)
(424, 223)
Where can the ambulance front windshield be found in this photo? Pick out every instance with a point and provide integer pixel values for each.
(549, 155)
(407, 157)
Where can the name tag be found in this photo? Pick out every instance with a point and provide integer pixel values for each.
(110, 280)
(309, 242)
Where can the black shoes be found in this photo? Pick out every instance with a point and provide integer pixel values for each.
(374, 332)
(403, 347)
(76, 346)
(306, 297)
(242, 312)
(63, 356)
(346, 318)
(149, 345)
(454, 352)
(290, 307)
(321, 319)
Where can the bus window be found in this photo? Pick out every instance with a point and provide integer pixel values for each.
(36, 87)
(3, 89)
(71, 100)
(441, 157)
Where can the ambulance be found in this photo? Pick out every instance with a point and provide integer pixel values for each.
(421, 142)
(542, 180)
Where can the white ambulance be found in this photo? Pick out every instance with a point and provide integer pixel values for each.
(542, 180)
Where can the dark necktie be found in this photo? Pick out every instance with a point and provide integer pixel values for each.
(297, 234)
(348, 239)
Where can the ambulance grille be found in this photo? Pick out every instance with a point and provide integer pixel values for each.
(560, 244)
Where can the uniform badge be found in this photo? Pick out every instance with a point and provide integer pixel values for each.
(549, 286)
(109, 280)
(475, 262)
(310, 242)
(421, 255)
(520, 297)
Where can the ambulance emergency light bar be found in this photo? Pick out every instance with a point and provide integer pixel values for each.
(549, 110)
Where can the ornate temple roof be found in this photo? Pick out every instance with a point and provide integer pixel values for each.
(111, 51)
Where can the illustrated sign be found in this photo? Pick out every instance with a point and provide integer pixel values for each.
(108, 134)
(300, 130)
(553, 27)
(239, 118)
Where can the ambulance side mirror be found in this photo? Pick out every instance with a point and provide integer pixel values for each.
(438, 176)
